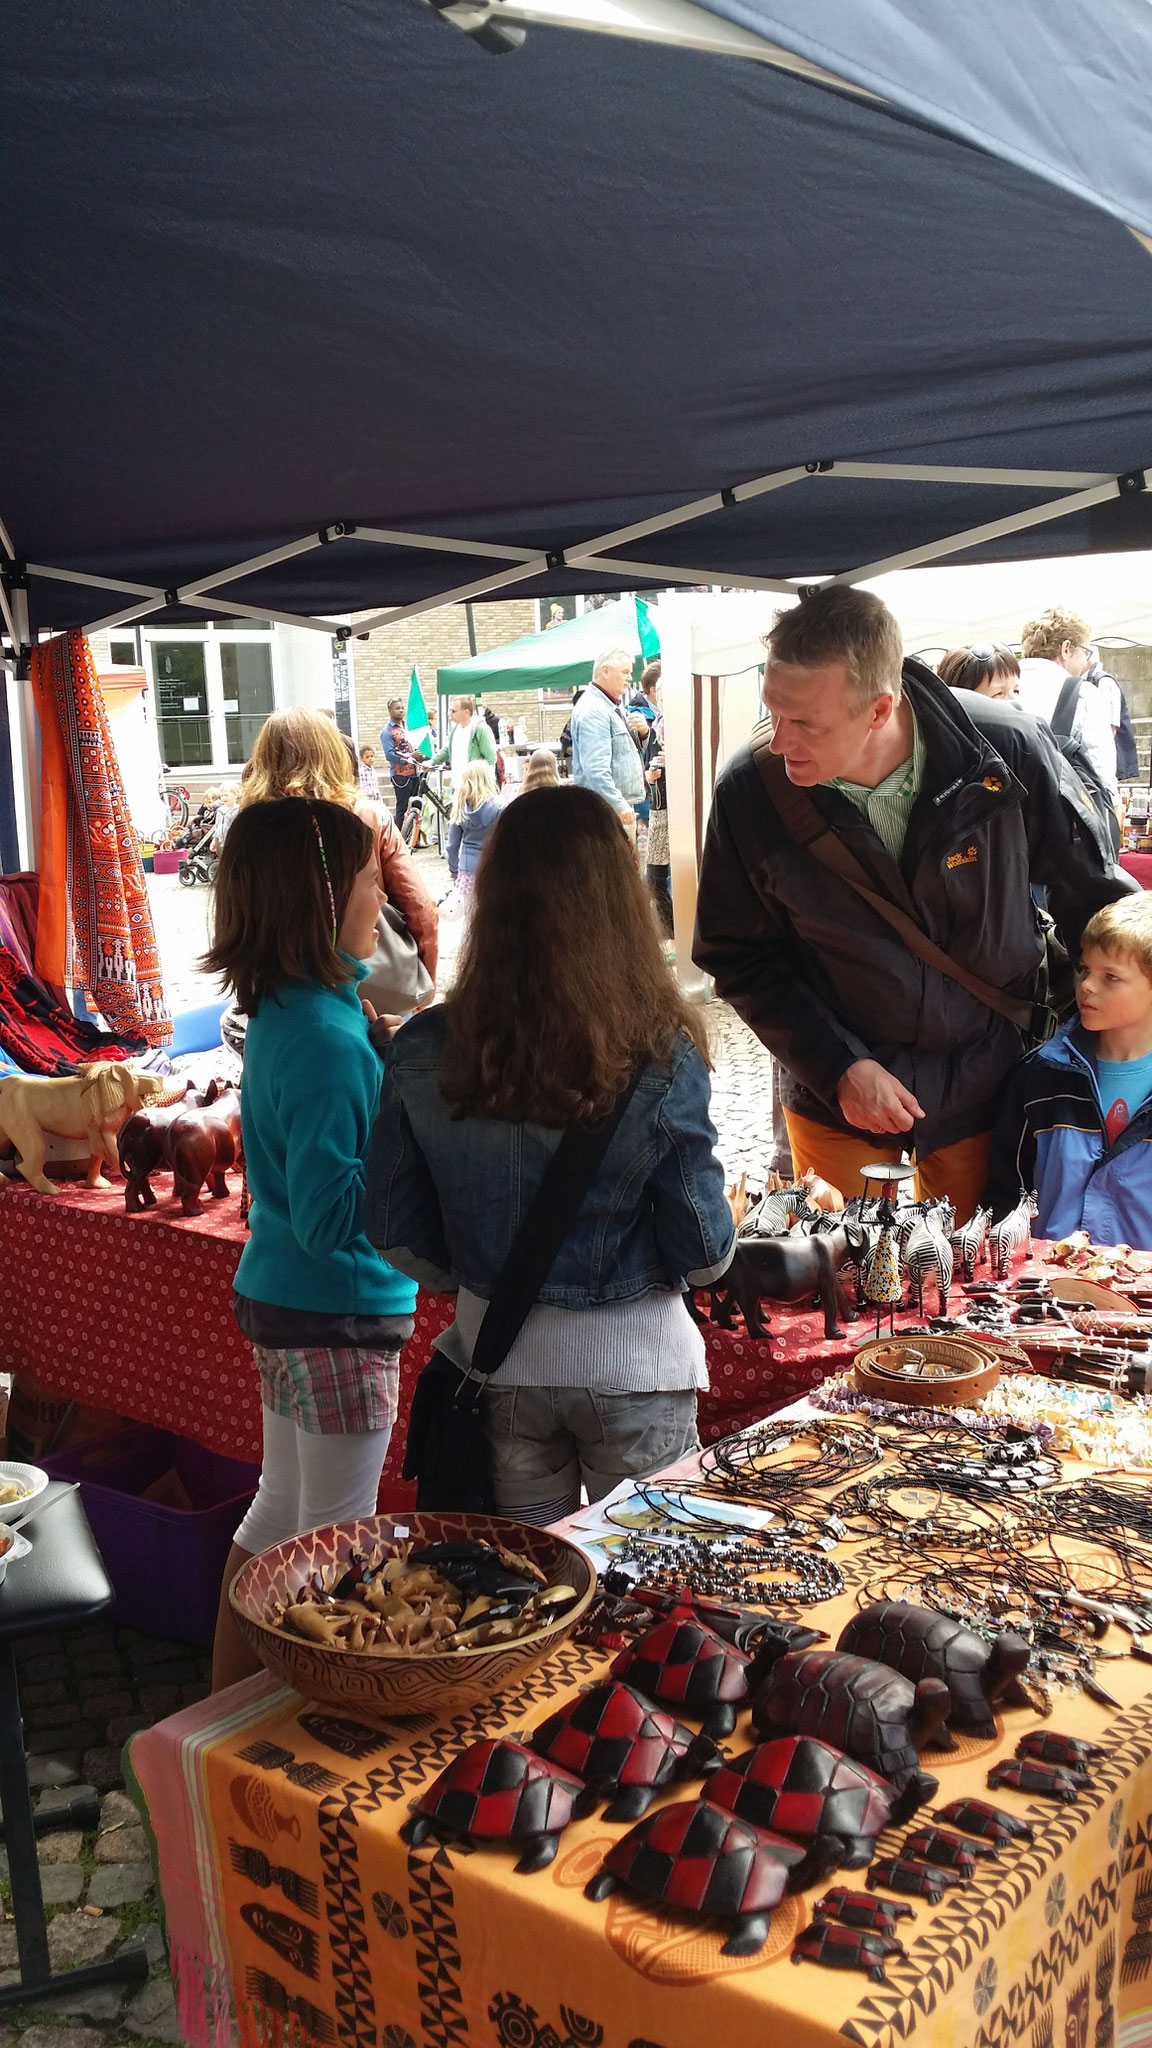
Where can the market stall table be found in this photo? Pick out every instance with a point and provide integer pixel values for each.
(1139, 866)
(293, 1903)
(134, 1314)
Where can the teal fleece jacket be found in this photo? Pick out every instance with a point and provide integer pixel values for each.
(307, 1106)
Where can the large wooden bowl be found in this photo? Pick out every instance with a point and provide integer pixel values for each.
(387, 1686)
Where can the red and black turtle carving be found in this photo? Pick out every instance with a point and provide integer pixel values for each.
(806, 1788)
(684, 1664)
(952, 1852)
(623, 1747)
(840, 1947)
(905, 1874)
(695, 1858)
(860, 1706)
(1071, 1752)
(977, 1817)
(920, 1643)
(500, 1791)
(860, 1909)
(1049, 1781)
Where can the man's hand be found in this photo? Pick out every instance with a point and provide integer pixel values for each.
(872, 1099)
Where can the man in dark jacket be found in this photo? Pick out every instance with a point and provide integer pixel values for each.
(953, 805)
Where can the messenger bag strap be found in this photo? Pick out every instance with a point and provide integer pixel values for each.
(1064, 715)
(550, 1216)
(805, 824)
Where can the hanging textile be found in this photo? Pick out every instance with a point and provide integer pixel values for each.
(38, 1037)
(95, 925)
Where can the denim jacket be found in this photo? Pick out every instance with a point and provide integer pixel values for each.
(604, 754)
(449, 1195)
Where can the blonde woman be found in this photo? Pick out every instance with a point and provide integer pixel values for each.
(541, 772)
(475, 809)
(301, 753)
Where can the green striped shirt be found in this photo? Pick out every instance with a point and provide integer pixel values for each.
(888, 807)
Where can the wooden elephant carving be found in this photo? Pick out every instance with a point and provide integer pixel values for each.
(198, 1138)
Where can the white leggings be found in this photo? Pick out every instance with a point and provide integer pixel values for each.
(308, 1480)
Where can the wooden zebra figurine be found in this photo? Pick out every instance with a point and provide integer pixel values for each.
(970, 1242)
(1013, 1230)
(928, 1256)
(880, 1279)
(778, 1211)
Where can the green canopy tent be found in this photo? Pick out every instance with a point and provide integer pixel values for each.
(559, 659)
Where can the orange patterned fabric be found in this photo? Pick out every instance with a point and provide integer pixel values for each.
(95, 927)
(296, 1912)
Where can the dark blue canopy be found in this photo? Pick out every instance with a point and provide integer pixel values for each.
(270, 268)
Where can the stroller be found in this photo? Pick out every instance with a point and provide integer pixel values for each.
(199, 864)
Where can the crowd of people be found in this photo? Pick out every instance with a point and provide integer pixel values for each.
(895, 866)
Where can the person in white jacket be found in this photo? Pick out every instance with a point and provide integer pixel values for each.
(1054, 647)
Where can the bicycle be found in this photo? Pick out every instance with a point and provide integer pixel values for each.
(418, 827)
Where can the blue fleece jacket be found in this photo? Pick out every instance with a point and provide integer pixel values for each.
(308, 1103)
(1050, 1135)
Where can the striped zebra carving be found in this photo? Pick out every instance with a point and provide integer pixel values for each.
(1006, 1237)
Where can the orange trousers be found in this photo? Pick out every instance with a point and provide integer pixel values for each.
(959, 1172)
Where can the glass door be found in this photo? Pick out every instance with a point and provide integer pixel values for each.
(246, 675)
(180, 670)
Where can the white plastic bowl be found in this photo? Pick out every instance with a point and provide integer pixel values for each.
(30, 1478)
(17, 1546)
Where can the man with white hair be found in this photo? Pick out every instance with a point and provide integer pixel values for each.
(604, 754)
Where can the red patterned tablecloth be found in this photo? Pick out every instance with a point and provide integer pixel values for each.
(133, 1314)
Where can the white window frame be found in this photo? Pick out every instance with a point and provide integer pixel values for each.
(211, 637)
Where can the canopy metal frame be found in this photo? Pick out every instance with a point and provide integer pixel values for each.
(1076, 490)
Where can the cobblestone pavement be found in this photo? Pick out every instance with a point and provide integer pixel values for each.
(84, 1694)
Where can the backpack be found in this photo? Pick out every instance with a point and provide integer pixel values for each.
(1075, 755)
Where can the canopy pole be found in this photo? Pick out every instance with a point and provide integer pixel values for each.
(534, 565)
(700, 508)
(388, 538)
(686, 802)
(95, 582)
(1056, 508)
(662, 572)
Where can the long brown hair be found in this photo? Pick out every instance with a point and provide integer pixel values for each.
(562, 990)
(282, 887)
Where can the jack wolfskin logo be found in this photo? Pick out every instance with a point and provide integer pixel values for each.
(993, 783)
(962, 860)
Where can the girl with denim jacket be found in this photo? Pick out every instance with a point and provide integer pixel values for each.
(561, 997)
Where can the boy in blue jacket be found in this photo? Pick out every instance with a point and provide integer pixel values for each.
(1076, 1123)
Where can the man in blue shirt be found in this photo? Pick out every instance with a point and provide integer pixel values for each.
(604, 753)
(401, 758)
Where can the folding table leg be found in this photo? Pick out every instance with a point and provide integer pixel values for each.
(131, 1965)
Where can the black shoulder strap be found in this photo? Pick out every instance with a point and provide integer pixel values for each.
(1064, 716)
(559, 1198)
(805, 824)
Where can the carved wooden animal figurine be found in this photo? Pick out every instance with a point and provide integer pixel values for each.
(791, 1268)
(140, 1146)
(970, 1242)
(1006, 1237)
(91, 1104)
(928, 1257)
(201, 1144)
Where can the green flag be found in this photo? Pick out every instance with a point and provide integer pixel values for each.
(649, 637)
(419, 730)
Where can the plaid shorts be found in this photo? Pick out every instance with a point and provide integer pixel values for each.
(330, 1393)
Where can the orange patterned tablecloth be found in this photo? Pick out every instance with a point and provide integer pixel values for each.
(292, 1900)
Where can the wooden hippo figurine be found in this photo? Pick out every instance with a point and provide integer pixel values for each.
(140, 1147)
(792, 1268)
(202, 1143)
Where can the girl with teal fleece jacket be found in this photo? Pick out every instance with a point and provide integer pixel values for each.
(297, 895)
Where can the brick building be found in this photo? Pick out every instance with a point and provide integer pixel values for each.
(383, 664)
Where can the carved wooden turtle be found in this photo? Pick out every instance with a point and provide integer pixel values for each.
(841, 1947)
(684, 1664)
(860, 1706)
(802, 1787)
(860, 1909)
(920, 1643)
(500, 1790)
(696, 1858)
(905, 1874)
(977, 1817)
(623, 1747)
(1048, 1780)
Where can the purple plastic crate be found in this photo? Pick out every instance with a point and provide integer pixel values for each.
(165, 1563)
